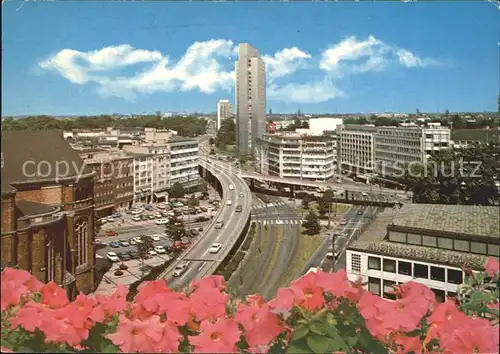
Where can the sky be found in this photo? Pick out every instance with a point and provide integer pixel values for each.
(90, 57)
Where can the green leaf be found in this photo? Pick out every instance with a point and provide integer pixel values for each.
(318, 328)
(109, 348)
(337, 339)
(317, 343)
(299, 332)
(298, 347)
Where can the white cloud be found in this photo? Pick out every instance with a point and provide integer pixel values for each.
(311, 92)
(353, 56)
(284, 62)
(208, 66)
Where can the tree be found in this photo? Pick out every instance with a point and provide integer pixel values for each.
(226, 134)
(322, 208)
(193, 202)
(311, 223)
(176, 191)
(203, 187)
(305, 124)
(143, 249)
(457, 176)
(305, 201)
(175, 228)
(211, 141)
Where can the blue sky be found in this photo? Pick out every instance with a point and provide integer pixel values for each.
(131, 57)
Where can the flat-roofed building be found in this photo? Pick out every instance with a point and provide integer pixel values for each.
(426, 243)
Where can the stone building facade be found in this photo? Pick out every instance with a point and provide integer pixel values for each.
(47, 210)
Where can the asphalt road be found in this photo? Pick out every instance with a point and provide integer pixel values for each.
(199, 255)
(354, 222)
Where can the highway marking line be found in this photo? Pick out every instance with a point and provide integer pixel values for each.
(265, 222)
(279, 222)
(286, 221)
(270, 205)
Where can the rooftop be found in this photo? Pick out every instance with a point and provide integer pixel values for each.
(373, 240)
(460, 219)
(29, 208)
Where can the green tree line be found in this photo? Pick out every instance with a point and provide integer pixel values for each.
(226, 134)
(185, 126)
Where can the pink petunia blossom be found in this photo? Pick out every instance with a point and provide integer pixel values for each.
(213, 281)
(208, 303)
(54, 296)
(219, 337)
(137, 336)
(492, 266)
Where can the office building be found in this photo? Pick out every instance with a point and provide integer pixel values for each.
(426, 243)
(356, 152)
(47, 209)
(397, 147)
(308, 157)
(224, 111)
(250, 98)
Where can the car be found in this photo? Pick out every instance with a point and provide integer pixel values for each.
(144, 217)
(203, 209)
(114, 244)
(215, 248)
(152, 253)
(160, 206)
(98, 241)
(111, 233)
(332, 255)
(194, 232)
(359, 212)
(110, 219)
(116, 215)
(112, 256)
(133, 254)
(180, 269)
(138, 239)
(157, 215)
(231, 187)
(160, 250)
(128, 211)
(229, 202)
(155, 237)
(239, 208)
(132, 242)
(343, 222)
(164, 213)
(200, 229)
(103, 220)
(136, 218)
(364, 194)
(161, 221)
(136, 211)
(124, 256)
(241, 195)
(151, 217)
(219, 224)
(123, 243)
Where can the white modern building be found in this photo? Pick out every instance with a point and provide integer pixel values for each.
(184, 161)
(297, 156)
(317, 126)
(224, 111)
(397, 147)
(250, 97)
(356, 150)
(426, 243)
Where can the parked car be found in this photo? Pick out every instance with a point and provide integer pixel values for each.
(364, 194)
(151, 217)
(161, 221)
(239, 208)
(359, 212)
(241, 194)
(156, 237)
(133, 254)
(229, 202)
(110, 219)
(144, 217)
(202, 218)
(112, 256)
(124, 256)
(180, 269)
(194, 232)
(136, 211)
(111, 233)
(103, 220)
(160, 250)
(203, 209)
(160, 206)
(158, 215)
(152, 253)
(124, 243)
(164, 213)
(114, 244)
(132, 241)
(116, 215)
(136, 218)
(138, 239)
(200, 229)
(343, 222)
(219, 224)
(215, 248)
(231, 187)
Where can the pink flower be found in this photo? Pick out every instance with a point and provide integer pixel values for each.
(219, 337)
(260, 324)
(79, 311)
(337, 284)
(177, 307)
(29, 317)
(110, 305)
(408, 344)
(169, 342)
(15, 284)
(151, 295)
(413, 289)
(213, 281)
(208, 303)
(5, 350)
(492, 266)
(137, 336)
(53, 295)
(11, 293)
(58, 329)
(285, 299)
(311, 295)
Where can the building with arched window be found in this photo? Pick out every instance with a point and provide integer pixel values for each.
(47, 210)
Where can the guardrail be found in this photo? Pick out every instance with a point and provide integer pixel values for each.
(168, 270)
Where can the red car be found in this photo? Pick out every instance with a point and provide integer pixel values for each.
(180, 244)
(111, 233)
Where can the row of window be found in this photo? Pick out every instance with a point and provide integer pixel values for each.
(446, 243)
(416, 270)
(385, 288)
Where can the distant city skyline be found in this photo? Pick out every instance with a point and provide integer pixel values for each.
(332, 58)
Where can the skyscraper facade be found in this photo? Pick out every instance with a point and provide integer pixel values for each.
(250, 98)
(224, 111)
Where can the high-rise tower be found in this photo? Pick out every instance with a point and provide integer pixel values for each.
(250, 98)
(224, 111)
